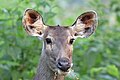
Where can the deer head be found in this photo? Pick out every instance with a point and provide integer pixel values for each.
(58, 40)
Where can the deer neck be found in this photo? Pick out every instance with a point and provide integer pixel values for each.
(44, 72)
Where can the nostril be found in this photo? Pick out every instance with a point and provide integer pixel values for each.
(63, 64)
(59, 63)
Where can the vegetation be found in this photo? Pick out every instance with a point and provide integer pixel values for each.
(94, 58)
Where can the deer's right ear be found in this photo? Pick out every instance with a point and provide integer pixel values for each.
(33, 23)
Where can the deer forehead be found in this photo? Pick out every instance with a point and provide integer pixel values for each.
(58, 32)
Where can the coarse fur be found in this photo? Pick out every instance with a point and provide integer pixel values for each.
(56, 56)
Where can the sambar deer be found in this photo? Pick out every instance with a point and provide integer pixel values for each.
(56, 56)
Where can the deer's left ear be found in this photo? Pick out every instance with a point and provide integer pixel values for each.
(85, 24)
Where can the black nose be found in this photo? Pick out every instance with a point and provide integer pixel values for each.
(63, 64)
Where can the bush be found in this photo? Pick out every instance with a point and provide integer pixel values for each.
(94, 58)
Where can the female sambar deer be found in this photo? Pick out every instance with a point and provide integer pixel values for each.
(56, 56)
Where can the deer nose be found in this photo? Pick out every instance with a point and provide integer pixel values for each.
(63, 64)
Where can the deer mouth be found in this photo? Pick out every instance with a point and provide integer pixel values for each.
(60, 72)
(64, 71)
(61, 66)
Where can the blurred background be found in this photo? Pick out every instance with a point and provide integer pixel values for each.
(94, 58)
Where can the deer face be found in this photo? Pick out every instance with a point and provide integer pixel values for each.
(58, 40)
(58, 48)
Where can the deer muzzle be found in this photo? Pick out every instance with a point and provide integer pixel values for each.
(64, 64)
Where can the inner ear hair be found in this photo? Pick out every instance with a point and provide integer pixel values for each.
(32, 15)
(85, 24)
(87, 16)
(33, 23)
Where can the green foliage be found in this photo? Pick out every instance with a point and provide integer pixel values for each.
(94, 58)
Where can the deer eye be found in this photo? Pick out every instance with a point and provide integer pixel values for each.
(48, 40)
(71, 41)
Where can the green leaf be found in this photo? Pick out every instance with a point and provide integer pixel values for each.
(96, 70)
(9, 63)
(113, 70)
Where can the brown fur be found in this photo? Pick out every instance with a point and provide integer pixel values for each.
(60, 45)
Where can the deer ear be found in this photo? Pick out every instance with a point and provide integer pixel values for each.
(33, 23)
(85, 24)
